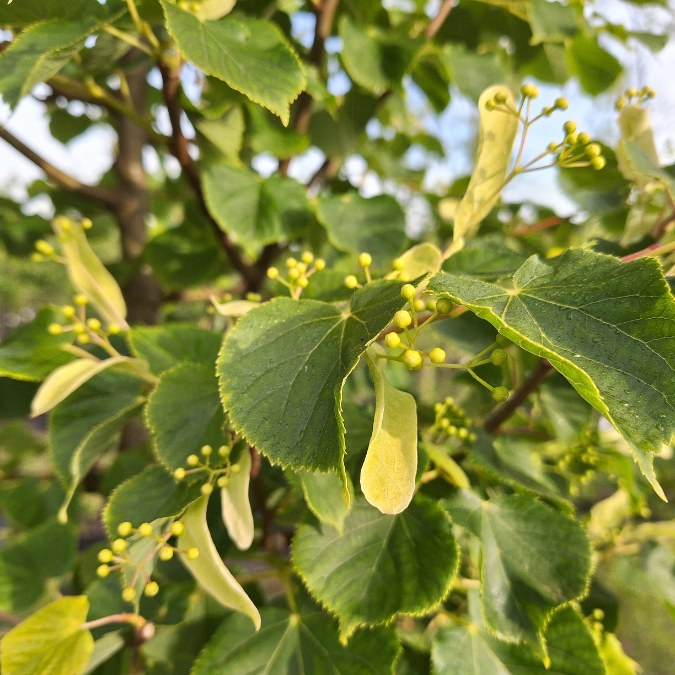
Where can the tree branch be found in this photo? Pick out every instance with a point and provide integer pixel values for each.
(100, 195)
(504, 411)
(436, 23)
(180, 149)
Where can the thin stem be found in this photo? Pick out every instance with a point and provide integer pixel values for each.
(437, 22)
(487, 385)
(124, 617)
(129, 39)
(653, 250)
(63, 180)
(5, 617)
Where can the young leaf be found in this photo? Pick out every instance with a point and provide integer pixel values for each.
(607, 326)
(518, 596)
(419, 260)
(207, 568)
(356, 224)
(380, 565)
(305, 641)
(235, 504)
(283, 366)
(325, 496)
(388, 472)
(53, 640)
(496, 134)
(87, 273)
(165, 346)
(250, 55)
(471, 650)
(255, 210)
(39, 52)
(69, 378)
(87, 424)
(184, 413)
(31, 353)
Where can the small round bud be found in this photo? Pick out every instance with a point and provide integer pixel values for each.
(68, 311)
(413, 359)
(192, 553)
(583, 138)
(303, 282)
(179, 473)
(79, 329)
(307, 257)
(621, 102)
(500, 97)
(598, 163)
(403, 276)
(319, 264)
(102, 571)
(648, 92)
(548, 111)
(80, 299)
(443, 306)
(529, 91)
(431, 305)
(235, 468)
(593, 150)
(500, 394)
(490, 105)
(408, 291)
(177, 529)
(83, 340)
(207, 489)
(224, 451)
(552, 148)
(365, 259)
(113, 329)
(119, 546)
(351, 281)
(124, 529)
(437, 355)
(37, 257)
(462, 433)
(631, 92)
(105, 555)
(397, 264)
(561, 103)
(498, 357)
(572, 139)
(444, 423)
(192, 460)
(151, 589)
(44, 247)
(55, 329)
(129, 594)
(402, 318)
(569, 127)
(291, 263)
(145, 530)
(86, 224)
(419, 304)
(206, 450)
(392, 340)
(451, 430)
(253, 297)
(166, 553)
(293, 273)
(223, 481)
(301, 267)
(272, 273)
(94, 324)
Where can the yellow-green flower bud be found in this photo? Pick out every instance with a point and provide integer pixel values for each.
(192, 460)
(397, 264)
(207, 489)
(206, 450)
(177, 529)
(94, 324)
(569, 127)
(55, 329)
(561, 103)
(192, 553)
(179, 473)
(593, 150)
(413, 359)
(145, 530)
(408, 291)
(105, 555)
(392, 340)
(224, 450)
(291, 263)
(119, 546)
(166, 553)
(129, 594)
(402, 318)
(319, 264)
(222, 481)
(124, 529)
(365, 259)
(102, 571)
(529, 91)
(583, 138)
(307, 257)
(598, 163)
(351, 281)
(443, 306)
(272, 273)
(151, 589)
(44, 247)
(437, 355)
(68, 311)
(500, 394)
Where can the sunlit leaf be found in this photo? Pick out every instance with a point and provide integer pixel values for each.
(236, 506)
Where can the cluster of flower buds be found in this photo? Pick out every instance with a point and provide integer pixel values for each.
(452, 421)
(577, 149)
(86, 330)
(45, 251)
(298, 272)
(365, 260)
(635, 97)
(579, 463)
(117, 556)
(216, 465)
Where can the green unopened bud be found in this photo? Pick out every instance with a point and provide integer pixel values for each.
(351, 281)
(529, 91)
(413, 359)
(272, 273)
(500, 394)
(151, 589)
(124, 529)
(94, 324)
(365, 259)
(319, 264)
(68, 311)
(569, 127)
(443, 306)
(192, 553)
(166, 553)
(129, 594)
(598, 163)
(192, 460)
(561, 103)
(593, 150)
(437, 355)
(55, 329)
(500, 97)
(402, 319)
(177, 529)
(179, 473)
(206, 489)
(498, 357)
(44, 247)
(105, 555)
(408, 291)
(583, 138)
(102, 571)
(145, 530)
